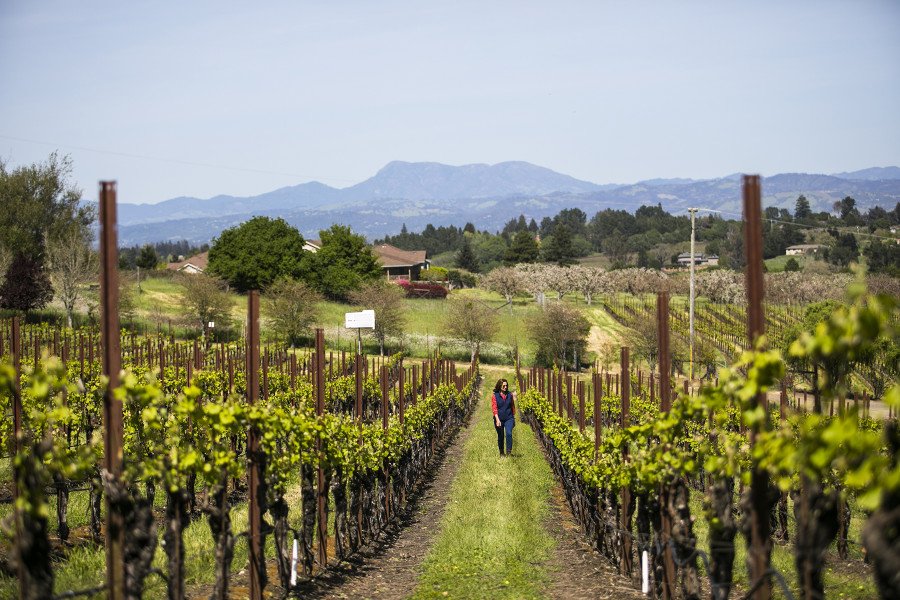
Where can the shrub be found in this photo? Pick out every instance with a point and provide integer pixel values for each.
(791, 264)
(433, 274)
(422, 289)
(461, 279)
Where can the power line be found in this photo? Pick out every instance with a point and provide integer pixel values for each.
(173, 160)
(795, 224)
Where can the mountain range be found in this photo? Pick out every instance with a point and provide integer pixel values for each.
(488, 196)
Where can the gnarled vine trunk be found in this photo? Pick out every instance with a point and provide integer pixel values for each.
(62, 506)
(684, 542)
(881, 534)
(95, 499)
(308, 502)
(339, 491)
(219, 519)
(32, 553)
(283, 539)
(177, 518)
(722, 530)
(816, 513)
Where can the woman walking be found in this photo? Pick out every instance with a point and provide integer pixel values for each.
(504, 407)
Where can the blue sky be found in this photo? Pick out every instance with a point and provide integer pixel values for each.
(206, 98)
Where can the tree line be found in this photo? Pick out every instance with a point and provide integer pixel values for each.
(652, 237)
(47, 242)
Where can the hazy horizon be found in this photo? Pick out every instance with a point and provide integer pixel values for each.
(207, 99)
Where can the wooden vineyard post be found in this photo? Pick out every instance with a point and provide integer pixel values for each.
(257, 556)
(321, 488)
(401, 397)
(627, 502)
(581, 406)
(401, 400)
(560, 394)
(598, 394)
(760, 540)
(16, 447)
(112, 408)
(551, 388)
(665, 403)
(385, 405)
(358, 405)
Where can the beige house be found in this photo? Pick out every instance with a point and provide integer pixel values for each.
(400, 264)
(396, 263)
(192, 266)
(803, 249)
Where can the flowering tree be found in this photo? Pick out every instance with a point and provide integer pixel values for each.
(638, 280)
(793, 287)
(721, 286)
(588, 280)
(533, 280)
(558, 279)
(506, 281)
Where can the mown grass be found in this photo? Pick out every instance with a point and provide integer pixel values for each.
(776, 264)
(491, 542)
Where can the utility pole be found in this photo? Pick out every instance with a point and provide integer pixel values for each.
(693, 212)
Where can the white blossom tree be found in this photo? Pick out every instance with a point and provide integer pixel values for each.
(506, 281)
(721, 286)
(638, 280)
(558, 279)
(588, 281)
(533, 280)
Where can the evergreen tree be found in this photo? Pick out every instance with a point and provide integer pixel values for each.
(465, 258)
(883, 258)
(845, 250)
(27, 285)
(147, 259)
(559, 248)
(802, 210)
(848, 211)
(643, 260)
(546, 227)
(524, 249)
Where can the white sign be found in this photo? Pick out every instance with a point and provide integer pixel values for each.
(360, 320)
(212, 324)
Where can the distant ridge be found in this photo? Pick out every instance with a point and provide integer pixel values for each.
(872, 174)
(487, 195)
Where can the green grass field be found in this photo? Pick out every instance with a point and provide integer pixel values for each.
(776, 265)
(492, 543)
(159, 304)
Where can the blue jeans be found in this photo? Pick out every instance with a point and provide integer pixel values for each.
(506, 428)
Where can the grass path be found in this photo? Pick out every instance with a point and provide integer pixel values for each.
(492, 542)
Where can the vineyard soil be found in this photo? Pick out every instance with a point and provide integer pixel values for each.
(576, 570)
(391, 567)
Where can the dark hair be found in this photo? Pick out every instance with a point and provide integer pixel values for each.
(499, 385)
